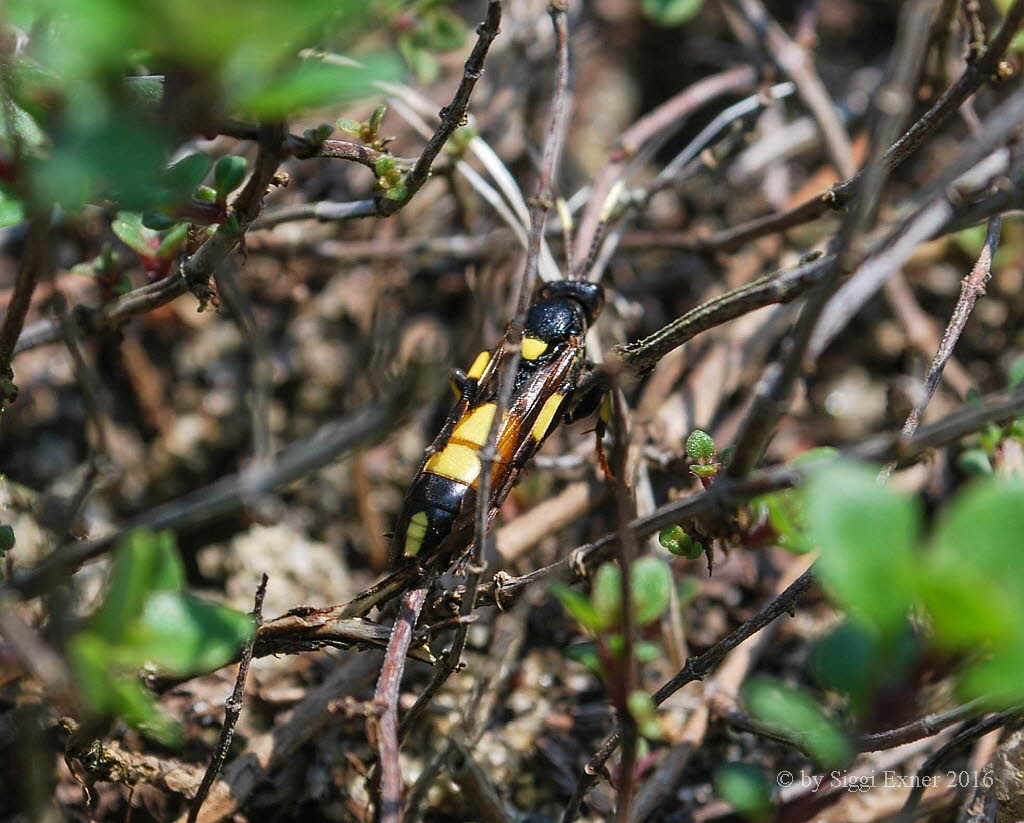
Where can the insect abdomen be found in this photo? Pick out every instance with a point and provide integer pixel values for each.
(432, 504)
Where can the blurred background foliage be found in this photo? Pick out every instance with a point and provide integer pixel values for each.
(103, 91)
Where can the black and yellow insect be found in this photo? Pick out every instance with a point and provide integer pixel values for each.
(438, 511)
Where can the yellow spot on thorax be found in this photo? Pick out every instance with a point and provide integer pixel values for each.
(476, 371)
(533, 348)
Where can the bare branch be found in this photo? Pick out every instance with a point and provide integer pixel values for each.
(34, 264)
(972, 287)
(232, 710)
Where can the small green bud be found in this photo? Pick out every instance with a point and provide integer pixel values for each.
(384, 164)
(366, 134)
(703, 471)
(205, 194)
(377, 118)
(317, 135)
(394, 176)
(349, 126)
(6, 539)
(677, 541)
(397, 192)
(228, 174)
(700, 446)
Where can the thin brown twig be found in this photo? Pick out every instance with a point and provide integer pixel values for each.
(644, 131)
(840, 195)
(541, 203)
(232, 709)
(696, 668)
(971, 288)
(195, 271)
(962, 739)
(774, 390)
(383, 723)
(927, 726)
(454, 114)
(34, 264)
(794, 60)
(627, 550)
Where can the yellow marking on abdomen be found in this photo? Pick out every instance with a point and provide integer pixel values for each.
(545, 419)
(475, 426)
(476, 371)
(414, 533)
(533, 348)
(456, 462)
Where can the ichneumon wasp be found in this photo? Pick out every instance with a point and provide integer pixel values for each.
(438, 510)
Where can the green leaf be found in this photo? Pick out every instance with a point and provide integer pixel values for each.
(974, 586)
(642, 708)
(846, 661)
(652, 589)
(144, 563)
(647, 652)
(157, 221)
(586, 653)
(445, 31)
(786, 517)
(129, 229)
(349, 126)
(25, 128)
(974, 462)
(397, 192)
(181, 634)
(310, 84)
(89, 660)
(134, 703)
(187, 173)
(581, 609)
(746, 788)
(12, 210)
(866, 533)
(606, 594)
(228, 174)
(997, 678)
(423, 64)
(1016, 375)
(668, 13)
(794, 714)
(173, 242)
